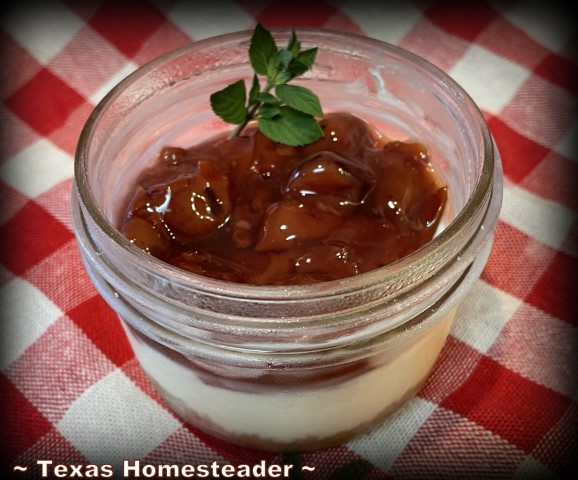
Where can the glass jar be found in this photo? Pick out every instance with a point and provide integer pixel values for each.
(287, 367)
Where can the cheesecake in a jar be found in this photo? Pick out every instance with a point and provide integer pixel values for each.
(270, 340)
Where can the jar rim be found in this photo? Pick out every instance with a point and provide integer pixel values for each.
(478, 198)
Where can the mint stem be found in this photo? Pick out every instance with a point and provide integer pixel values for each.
(250, 114)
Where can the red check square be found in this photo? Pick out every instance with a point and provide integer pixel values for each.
(283, 14)
(519, 154)
(450, 17)
(508, 404)
(21, 422)
(559, 70)
(24, 245)
(555, 291)
(101, 324)
(45, 102)
(127, 25)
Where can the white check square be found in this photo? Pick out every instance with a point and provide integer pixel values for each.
(378, 20)
(482, 315)
(545, 220)
(27, 313)
(491, 80)
(43, 28)
(200, 20)
(107, 86)
(396, 432)
(37, 168)
(114, 420)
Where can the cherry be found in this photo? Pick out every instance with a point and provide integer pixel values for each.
(151, 238)
(173, 155)
(332, 261)
(208, 265)
(375, 241)
(277, 267)
(200, 203)
(343, 133)
(273, 160)
(330, 180)
(290, 222)
(407, 191)
(237, 153)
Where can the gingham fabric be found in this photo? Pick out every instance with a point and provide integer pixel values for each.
(502, 400)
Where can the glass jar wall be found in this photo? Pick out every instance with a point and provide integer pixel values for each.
(287, 367)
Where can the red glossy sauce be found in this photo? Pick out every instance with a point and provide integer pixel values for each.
(252, 211)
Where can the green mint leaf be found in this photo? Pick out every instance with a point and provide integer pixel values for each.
(268, 110)
(307, 57)
(285, 57)
(273, 67)
(299, 98)
(262, 49)
(294, 45)
(229, 103)
(283, 77)
(302, 62)
(266, 97)
(295, 69)
(291, 127)
(289, 119)
(255, 89)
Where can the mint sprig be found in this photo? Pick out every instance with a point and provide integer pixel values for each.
(286, 116)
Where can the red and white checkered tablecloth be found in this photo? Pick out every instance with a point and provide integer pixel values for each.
(503, 399)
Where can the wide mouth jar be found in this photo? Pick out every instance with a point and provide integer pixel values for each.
(287, 367)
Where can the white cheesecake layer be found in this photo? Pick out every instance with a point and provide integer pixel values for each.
(288, 416)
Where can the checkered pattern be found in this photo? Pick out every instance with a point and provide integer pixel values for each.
(502, 401)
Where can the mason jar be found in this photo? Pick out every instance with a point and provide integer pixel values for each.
(300, 367)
